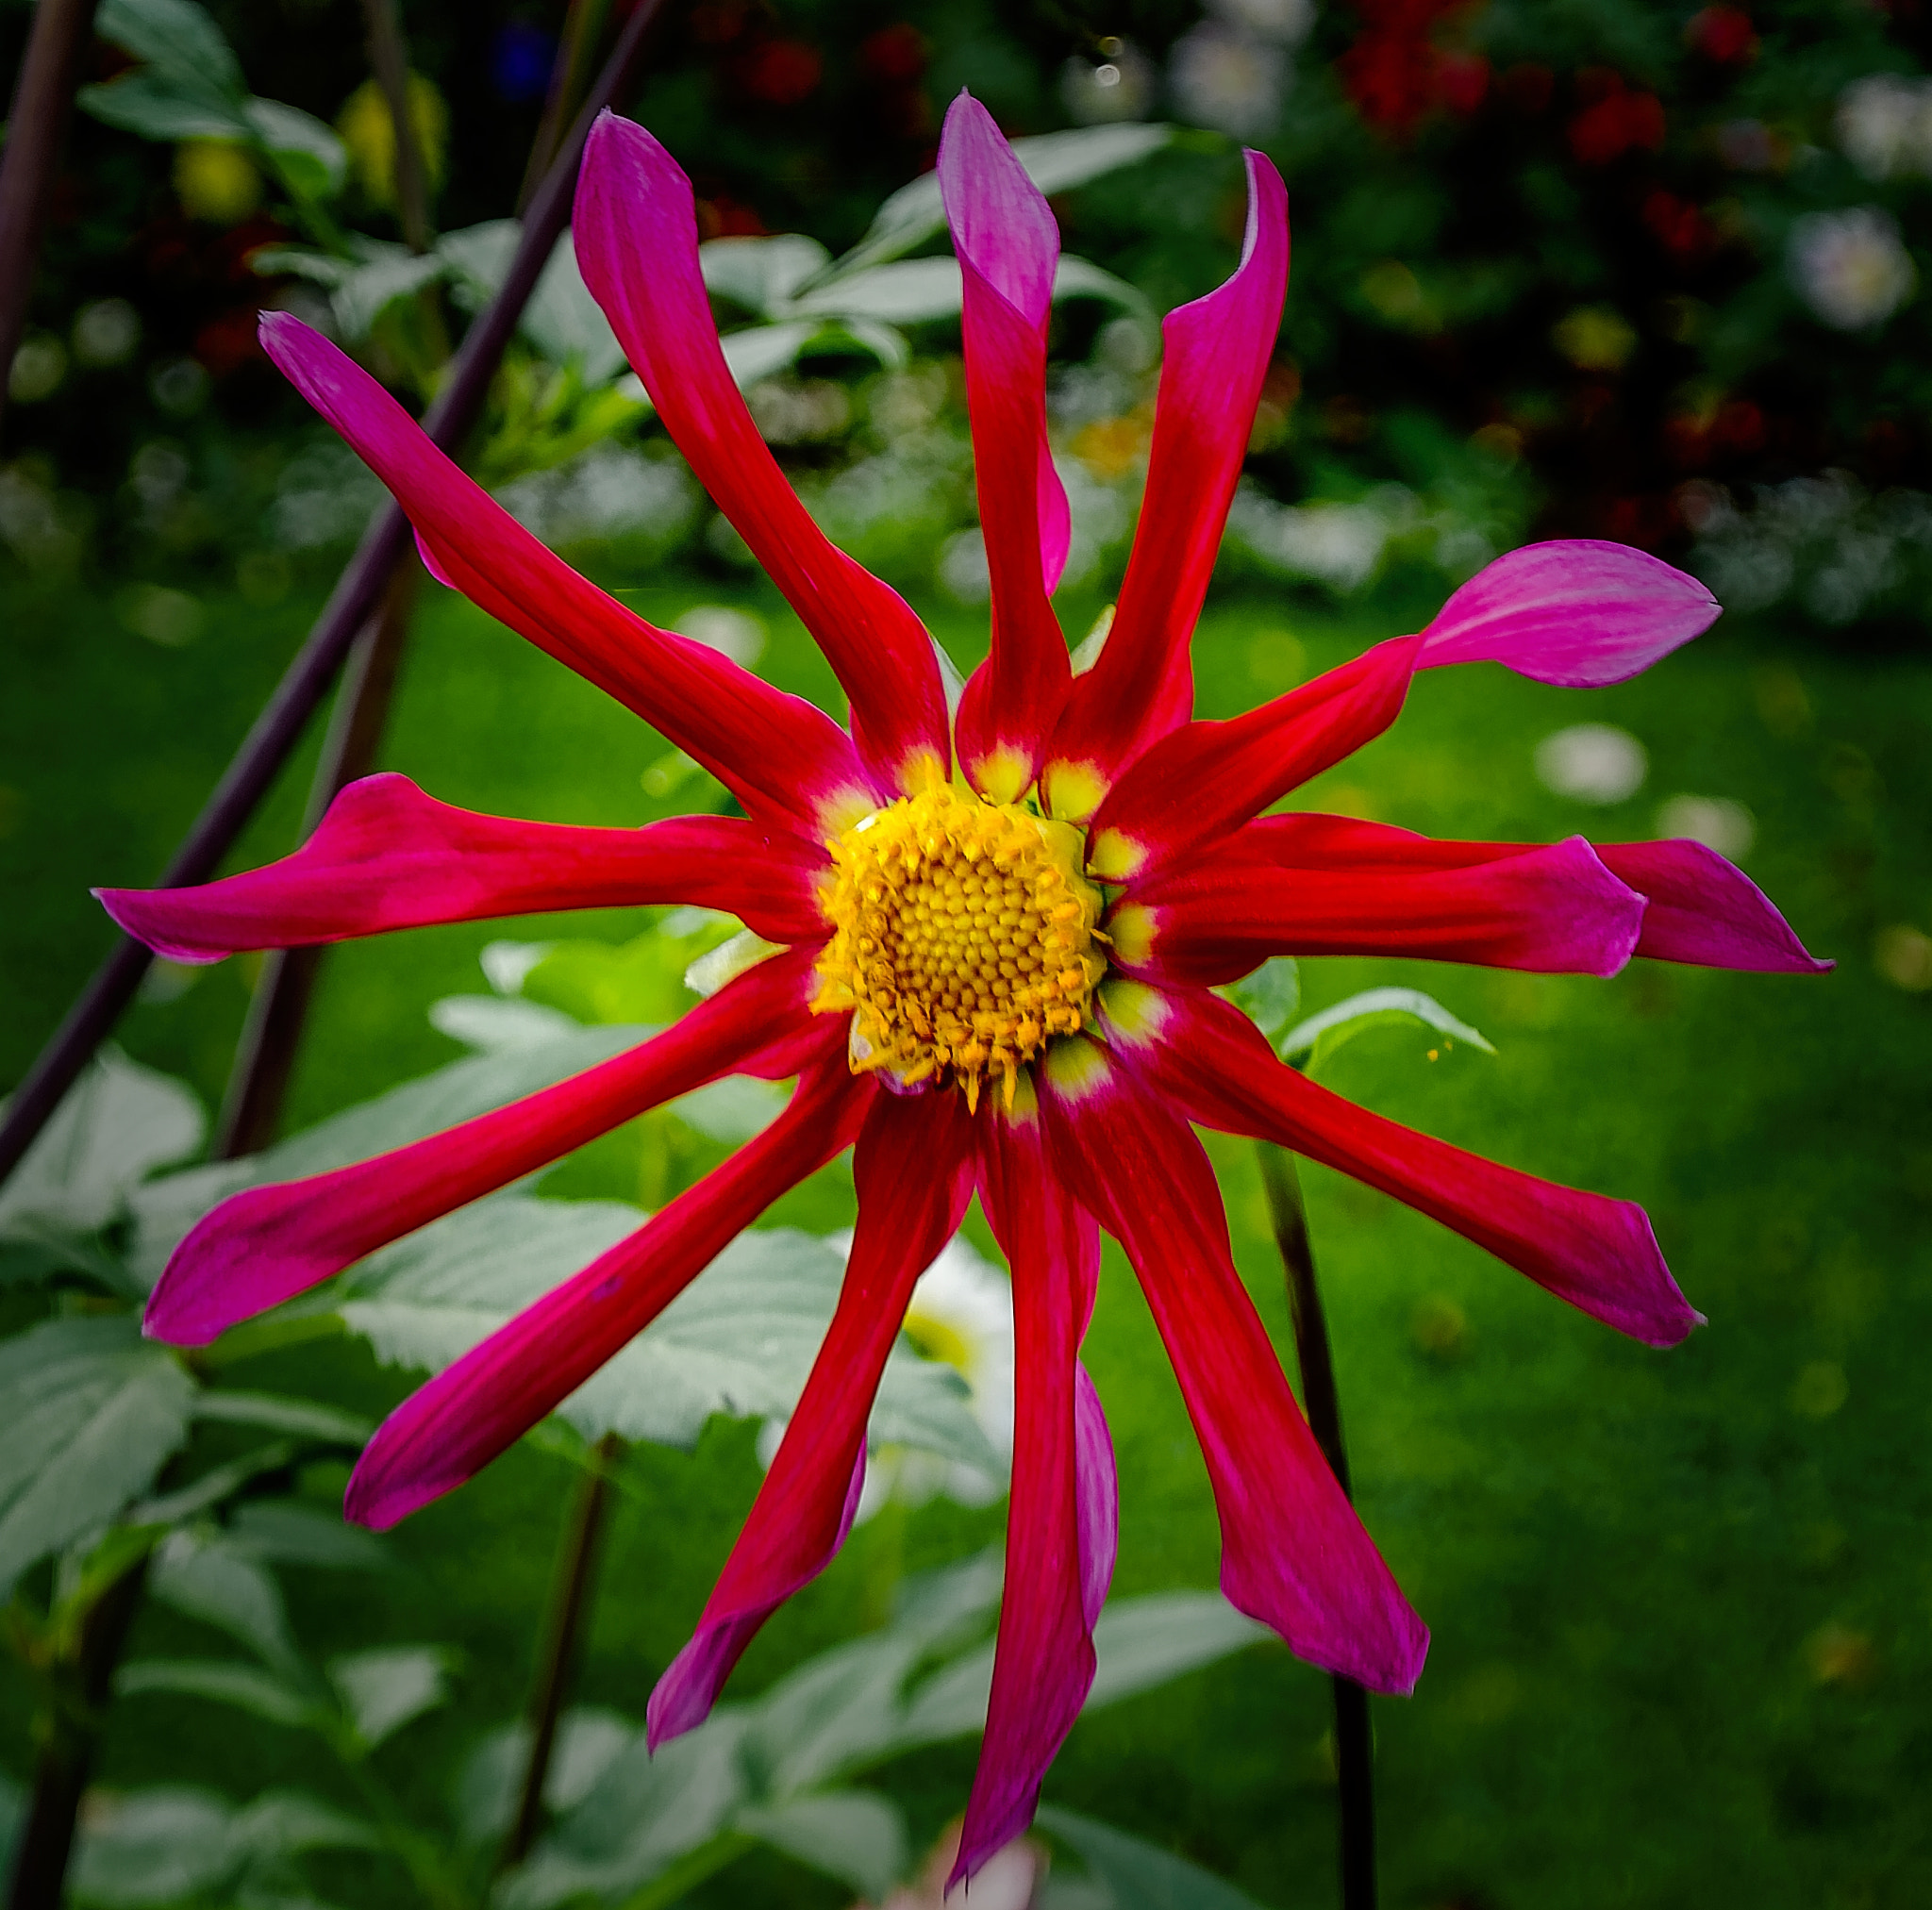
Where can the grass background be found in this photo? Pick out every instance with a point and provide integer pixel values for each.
(1682, 1603)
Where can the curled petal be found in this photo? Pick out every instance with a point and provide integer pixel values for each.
(266, 1244)
(1599, 1255)
(1062, 1517)
(1554, 910)
(1200, 783)
(780, 757)
(1215, 357)
(1704, 910)
(1008, 244)
(447, 1431)
(387, 856)
(635, 232)
(1293, 1552)
(1577, 614)
(913, 1168)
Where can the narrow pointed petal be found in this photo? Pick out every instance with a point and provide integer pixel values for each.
(1706, 910)
(1577, 614)
(387, 856)
(1293, 1552)
(914, 1171)
(1554, 910)
(637, 239)
(1598, 1253)
(266, 1244)
(1007, 245)
(447, 1431)
(1215, 359)
(1060, 1519)
(1202, 782)
(1698, 908)
(777, 753)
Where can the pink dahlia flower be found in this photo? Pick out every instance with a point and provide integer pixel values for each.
(1001, 927)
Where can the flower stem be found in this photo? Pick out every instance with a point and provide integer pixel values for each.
(1353, 1744)
(570, 1602)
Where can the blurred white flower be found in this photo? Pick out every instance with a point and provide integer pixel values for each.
(1851, 267)
(1592, 762)
(964, 567)
(1885, 124)
(609, 491)
(1227, 80)
(1715, 821)
(1117, 86)
(1285, 21)
(961, 1313)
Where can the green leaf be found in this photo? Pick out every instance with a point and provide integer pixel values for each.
(113, 1128)
(638, 1820)
(855, 1835)
(214, 1486)
(1138, 1876)
(566, 323)
(761, 274)
(587, 1740)
(177, 38)
(282, 1533)
(1075, 277)
(740, 1340)
(360, 295)
(284, 1823)
(1321, 1035)
(152, 1846)
(491, 1023)
(248, 1687)
(306, 154)
(91, 1412)
(154, 106)
(908, 292)
(1146, 1641)
(1055, 162)
(1270, 995)
(275, 1413)
(759, 351)
(383, 1690)
(165, 1209)
(203, 1576)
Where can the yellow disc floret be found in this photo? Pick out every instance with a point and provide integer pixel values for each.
(963, 938)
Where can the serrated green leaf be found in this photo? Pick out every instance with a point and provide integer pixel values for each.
(203, 1576)
(1138, 1876)
(855, 1836)
(114, 1127)
(740, 1340)
(385, 1690)
(222, 1681)
(275, 1413)
(165, 1209)
(91, 1412)
(1321, 1034)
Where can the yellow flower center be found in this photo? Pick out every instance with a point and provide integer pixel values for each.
(963, 938)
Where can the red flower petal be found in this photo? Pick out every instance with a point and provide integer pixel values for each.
(447, 1431)
(387, 856)
(637, 243)
(1706, 910)
(1579, 613)
(1554, 911)
(1598, 1253)
(1216, 356)
(775, 753)
(914, 1170)
(1008, 244)
(1199, 783)
(1293, 1552)
(1043, 1662)
(266, 1244)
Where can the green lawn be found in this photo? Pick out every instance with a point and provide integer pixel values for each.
(1681, 1601)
